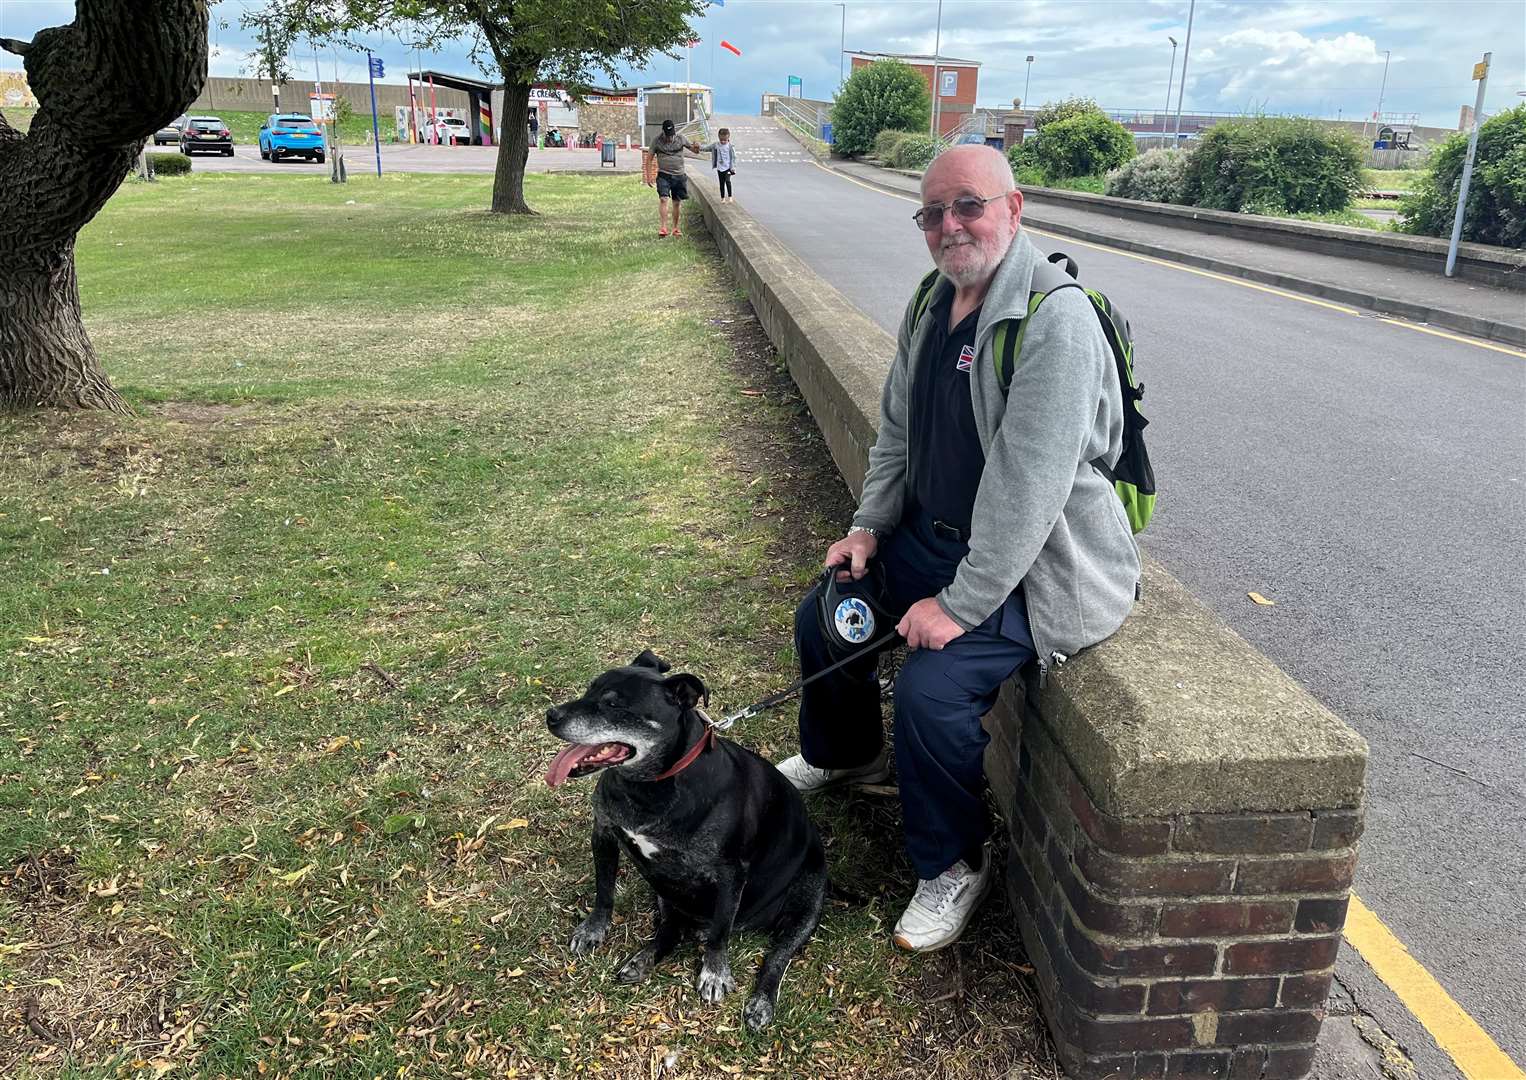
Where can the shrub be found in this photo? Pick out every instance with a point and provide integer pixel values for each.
(1020, 157)
(915, 151)
(1055, 111)
(1296, 164)
(1083, 145)
(886, 141)
(169, 164)
(1154, 176)
(885, 94)
(1496, 209)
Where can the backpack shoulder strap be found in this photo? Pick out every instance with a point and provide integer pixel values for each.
(923, 297)
(1007, 344)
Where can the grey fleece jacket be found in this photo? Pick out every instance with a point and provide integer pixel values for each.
(1044, 517)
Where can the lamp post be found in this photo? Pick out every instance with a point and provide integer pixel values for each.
(937, 48)
(1377, 117)
(842, 42)
(1170, 76)
(1186, 53)
(1028, 78)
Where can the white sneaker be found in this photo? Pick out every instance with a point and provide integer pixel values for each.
(808, 778)
(944, 906)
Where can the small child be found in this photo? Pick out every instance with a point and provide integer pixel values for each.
(723, 160)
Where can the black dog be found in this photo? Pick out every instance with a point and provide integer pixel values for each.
(719, 834)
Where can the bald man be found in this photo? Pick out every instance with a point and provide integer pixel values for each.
(1000, 542)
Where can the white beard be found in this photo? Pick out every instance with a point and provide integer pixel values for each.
(968, 262)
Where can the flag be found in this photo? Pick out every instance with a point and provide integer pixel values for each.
(694, 44)
(729, 47)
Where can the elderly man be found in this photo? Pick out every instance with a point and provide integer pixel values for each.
(999, 540)
(672, 182)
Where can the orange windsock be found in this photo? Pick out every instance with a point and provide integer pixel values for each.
(731, 48)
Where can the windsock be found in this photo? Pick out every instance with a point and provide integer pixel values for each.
(729, 47)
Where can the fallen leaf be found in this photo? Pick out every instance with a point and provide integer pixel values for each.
(337, 744)
(286, 690)
(1263, 601)
(513, 823)
(297, 875)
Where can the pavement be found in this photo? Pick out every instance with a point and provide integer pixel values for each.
(1456, 303)
(1365, 474)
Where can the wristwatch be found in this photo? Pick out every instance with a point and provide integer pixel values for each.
(864, 528)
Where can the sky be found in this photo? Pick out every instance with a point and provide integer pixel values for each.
(1322, 58)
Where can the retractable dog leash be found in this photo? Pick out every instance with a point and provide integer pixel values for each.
(848, 612)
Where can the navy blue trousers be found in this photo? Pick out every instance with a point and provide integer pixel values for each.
(940, 697)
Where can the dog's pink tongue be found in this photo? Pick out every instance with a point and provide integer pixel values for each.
(567, 760)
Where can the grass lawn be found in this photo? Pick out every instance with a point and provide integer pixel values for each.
(275, 653)
(1390, 179)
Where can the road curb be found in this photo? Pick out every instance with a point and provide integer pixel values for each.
(1488, 329)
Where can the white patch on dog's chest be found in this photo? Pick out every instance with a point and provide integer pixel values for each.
(643, 845)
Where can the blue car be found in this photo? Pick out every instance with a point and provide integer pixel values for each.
(284, 135)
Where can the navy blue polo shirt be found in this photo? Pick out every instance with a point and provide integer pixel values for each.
(947, 458)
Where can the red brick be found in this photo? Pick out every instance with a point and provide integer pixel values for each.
(1337, 828)
(1020, 884)
(1221, 995)
(1203, 1065)
(1112, 874)
(1259, 877)
(1281, 1026)
(1229, 919)
(1112, 998)
(1030, 815)
(1133, 836)
(1250, 834)
(1305, 991)
(1100, 1036)
(1141, 960)
(1288, 1064)
(1280, 957)
(1125, 920)
(1321, 916)
(1247, 1063)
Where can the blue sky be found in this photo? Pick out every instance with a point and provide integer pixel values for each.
(1321, 58)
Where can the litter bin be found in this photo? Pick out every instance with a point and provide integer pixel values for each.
(826, 132)
(607, 153)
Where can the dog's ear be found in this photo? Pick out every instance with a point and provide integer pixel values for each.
(650, 659)
(687, 690)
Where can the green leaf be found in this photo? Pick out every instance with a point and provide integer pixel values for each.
(398, 822)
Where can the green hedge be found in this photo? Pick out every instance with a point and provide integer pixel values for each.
(915, 151)
(884, 94)
(1055, 111)
(1086, 144)
(169, 164)
(1496, 209)
(1154, 176)
(1272, 164)
(886, 142)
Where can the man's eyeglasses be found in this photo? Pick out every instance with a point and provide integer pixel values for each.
(966, 208)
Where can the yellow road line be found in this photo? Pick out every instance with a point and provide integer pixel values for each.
(1477, 1056)
(1241, 282)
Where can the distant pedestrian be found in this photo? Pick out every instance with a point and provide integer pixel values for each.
(672, 183)
(723, 159)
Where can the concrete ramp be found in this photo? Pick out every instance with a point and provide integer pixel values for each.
(761, 141)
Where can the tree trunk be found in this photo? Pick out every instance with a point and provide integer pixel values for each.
(513, 151)
(98, 101)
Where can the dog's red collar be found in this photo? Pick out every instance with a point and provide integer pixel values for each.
(706, 741)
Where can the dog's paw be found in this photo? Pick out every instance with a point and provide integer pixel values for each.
(758, 1013)
(589, 935)
(715, 984)
(637, 968)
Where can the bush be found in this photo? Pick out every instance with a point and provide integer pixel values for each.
(915, 151)
(1297, 165)
(1082, 145)
(885, 94)
(1055, 111)
(169, 164)
(1020, 157)
(886, 141)
(1154, 176)
(1496, 209)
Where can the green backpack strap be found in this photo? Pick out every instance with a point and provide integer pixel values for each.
(923, 297)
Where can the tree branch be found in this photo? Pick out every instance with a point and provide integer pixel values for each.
(11, 45)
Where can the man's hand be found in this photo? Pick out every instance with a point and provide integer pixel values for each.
(856, 549)
(926, 626)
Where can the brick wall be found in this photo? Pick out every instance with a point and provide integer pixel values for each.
(1197, 945)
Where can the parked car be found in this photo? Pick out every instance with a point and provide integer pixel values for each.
(202, 133)
(285, 135)
(170, 133)
(448, 131)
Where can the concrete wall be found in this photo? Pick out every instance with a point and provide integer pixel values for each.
(1182, 818)
(254, 95)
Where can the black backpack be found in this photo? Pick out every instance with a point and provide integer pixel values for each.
(1133, 478)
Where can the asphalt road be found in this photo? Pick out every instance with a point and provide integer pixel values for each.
(1368, 478)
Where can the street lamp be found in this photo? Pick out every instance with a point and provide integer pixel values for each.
(1377, 117)
(1170, 76)
(842, 42)
(937, 47)
(1186, 53)
(1026, 80)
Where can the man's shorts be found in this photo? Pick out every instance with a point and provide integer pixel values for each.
(672, 187)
